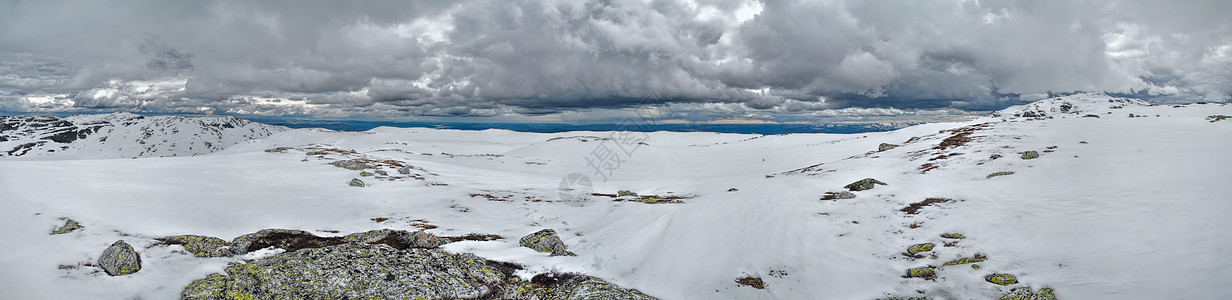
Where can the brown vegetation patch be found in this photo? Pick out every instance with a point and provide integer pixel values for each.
(924, 168)
(915, 207)
(754, 282)
(380, 219)
(422, 224)
(951, 244)
(490, 197)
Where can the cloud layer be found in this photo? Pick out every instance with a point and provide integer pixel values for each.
(536, 57)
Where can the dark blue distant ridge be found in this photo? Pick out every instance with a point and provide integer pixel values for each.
(350, 125)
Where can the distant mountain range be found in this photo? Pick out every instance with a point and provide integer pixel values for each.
(120, 135)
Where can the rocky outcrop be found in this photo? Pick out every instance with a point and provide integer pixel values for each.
(378, 271)
(863, 184)
(545, 241)
(70, 225)
(286, 239)
(399, 239)
(199, 245)
(120, 259)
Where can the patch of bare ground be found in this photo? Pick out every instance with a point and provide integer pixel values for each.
(914, 208)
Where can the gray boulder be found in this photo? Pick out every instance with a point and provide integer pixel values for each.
(404, 170)
(886, 146)
(545, 241)
(70, 225)
(352, 164)
(355, 182)
(120, 259)
(863, 184)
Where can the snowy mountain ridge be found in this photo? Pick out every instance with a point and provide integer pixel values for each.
(1080, 104)
(119, 135)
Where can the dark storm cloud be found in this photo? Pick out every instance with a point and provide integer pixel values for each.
(523, 57)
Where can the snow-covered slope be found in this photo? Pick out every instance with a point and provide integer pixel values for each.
(122, 135)
(1082, 104)
(1113, 207)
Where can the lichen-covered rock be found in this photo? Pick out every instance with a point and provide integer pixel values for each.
(198, 245)
(838, 195)
(1030, 155)
(286, 239)
(365, 174)
(120, 259)
(994, 156)
(966, 260)
(1001, 279)
(70, 225)
(355, 182)
(545, 241)
(953, 235)
(404, 170)
(569, 286)
(917, 248)
(926, 272)
(622, 193)
(995, 174)
(1025, 293)
(352, 164)
(863, 184)
(355, 271)
(378, 271)
(399, 239)
(886, 146)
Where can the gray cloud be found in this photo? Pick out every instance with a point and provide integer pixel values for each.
(523, 57)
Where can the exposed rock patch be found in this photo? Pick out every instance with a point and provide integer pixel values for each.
(863, 184)
(199, 245)
(70, 225)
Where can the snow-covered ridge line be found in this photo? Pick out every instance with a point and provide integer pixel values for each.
(122, 135)
(1081, 104)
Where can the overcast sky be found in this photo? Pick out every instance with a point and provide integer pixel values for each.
(553, 60)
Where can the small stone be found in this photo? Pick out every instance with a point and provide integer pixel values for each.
(1030, 155)
(120, 259)
(953, 235)
(863, 184)
(1001, 279)
(70, 225)
(732, 190)
(886, 146)
(382, 172)
(365, 174)
(545, 241)
(355, 182)
(404, 170)
(995, 156)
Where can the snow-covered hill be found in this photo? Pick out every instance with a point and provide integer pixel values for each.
(123, 135)
(1108, 206)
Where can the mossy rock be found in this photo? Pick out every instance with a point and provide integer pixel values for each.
(863, 184)
(1030, 155)
(1025, 293)
(917, 248)
(355, 182)
(120, 259)
(545, 241)
(622, 193)
(198, 245)
(1000, 174)
(966, 260)
(927, 272)
(70, 225)
(1001, 279)
(953, 235)
(352, 164)
(365, 174)
(732, 190)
